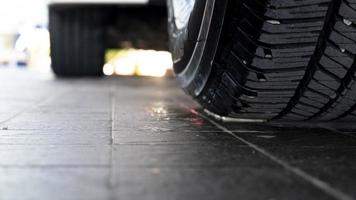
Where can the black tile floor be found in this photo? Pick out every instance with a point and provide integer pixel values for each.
(130, 138)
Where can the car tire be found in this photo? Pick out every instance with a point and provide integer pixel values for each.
(287, 60)
(77, 40)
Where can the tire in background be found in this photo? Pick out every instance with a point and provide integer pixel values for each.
(77, 40)
(279, 60)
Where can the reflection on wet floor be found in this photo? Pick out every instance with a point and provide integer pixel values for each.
(130, 138)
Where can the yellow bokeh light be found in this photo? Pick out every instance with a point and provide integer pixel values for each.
(108, 69)
(130, 62)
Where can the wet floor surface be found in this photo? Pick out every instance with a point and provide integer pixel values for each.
(129, 138)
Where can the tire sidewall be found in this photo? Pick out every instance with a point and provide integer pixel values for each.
(200, 44)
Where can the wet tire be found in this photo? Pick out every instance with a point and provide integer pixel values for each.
(273, 60)
(77, 40)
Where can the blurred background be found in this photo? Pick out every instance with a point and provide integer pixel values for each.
(25, 44)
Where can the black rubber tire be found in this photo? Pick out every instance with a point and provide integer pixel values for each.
(77, 40)
(284, 60)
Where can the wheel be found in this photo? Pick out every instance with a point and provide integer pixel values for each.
(77, 40)
(267, 60)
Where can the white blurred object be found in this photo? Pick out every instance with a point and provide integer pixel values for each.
(125, 66)
(108, 69)
(19, 17)
(153, 63)
(15, 13)
(8, 56)
(36, 43)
